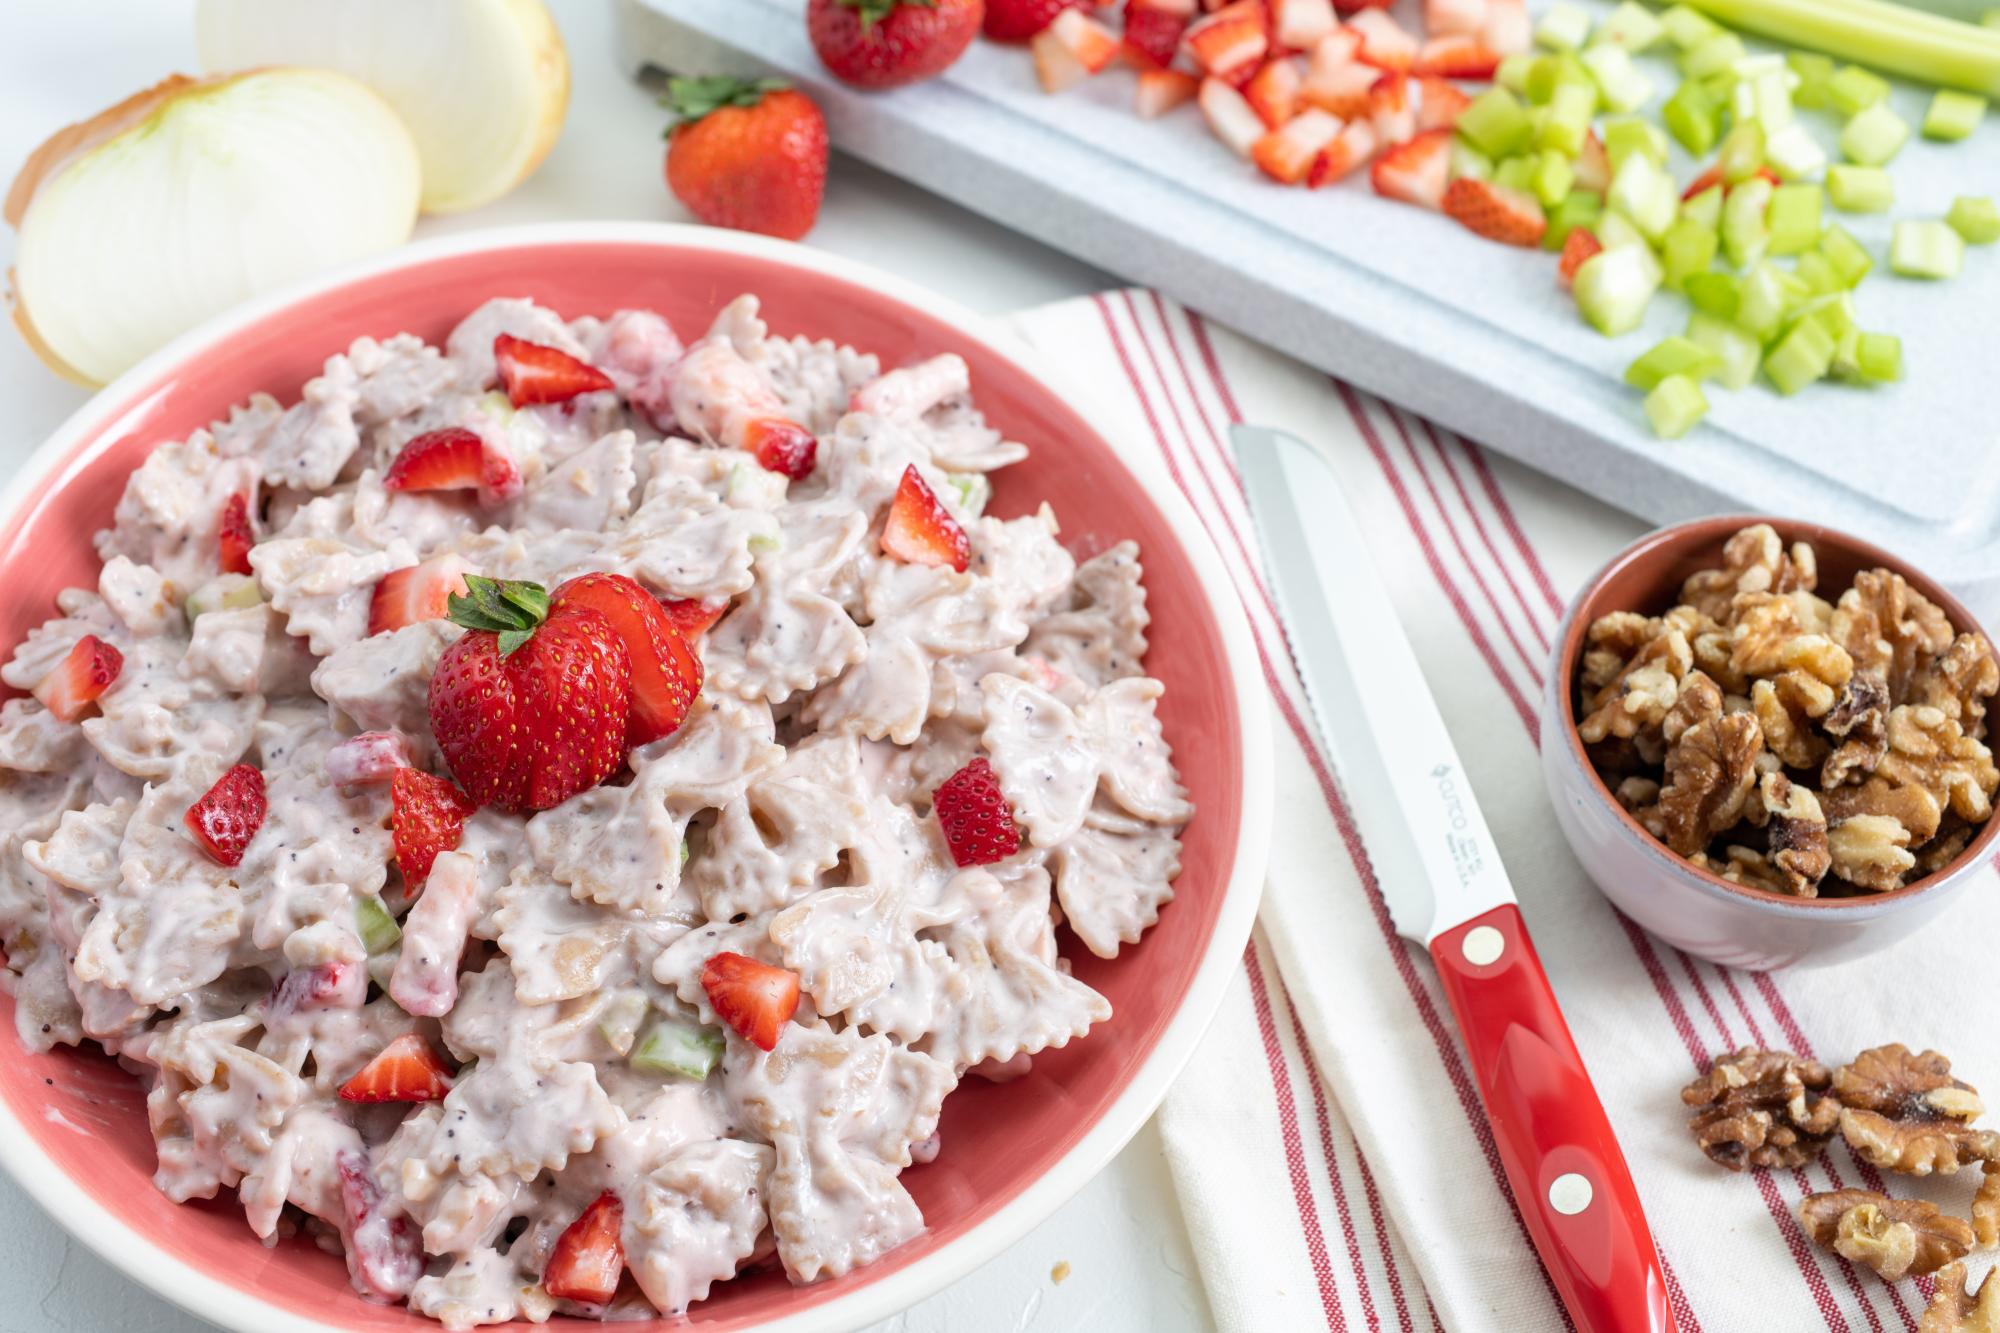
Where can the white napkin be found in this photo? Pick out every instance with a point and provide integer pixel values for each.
(1327, 1143)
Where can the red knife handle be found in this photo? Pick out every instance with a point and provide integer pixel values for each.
(1555, 1141)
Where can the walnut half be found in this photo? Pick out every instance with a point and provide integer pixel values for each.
(1906, 1113)
(1956, 1310)
(1762, 1109)
(1894, 1238)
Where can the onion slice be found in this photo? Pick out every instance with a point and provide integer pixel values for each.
(187, 198)
(482, 84)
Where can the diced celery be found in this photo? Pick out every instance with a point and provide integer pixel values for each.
(1833, 312)
(1674, 406)
(761, 543)
(1926, 249)
(1879, 356)
(1687, 28)
(1670, 356)
(1847, 356)
(1513, 71)
(1543, 75)
(1645, 194)
(224, 592)
(1629, 134)
(1496, 123)
(1860, 189)
(1713, 293)
(677, 1048)
(1874, 136)
(1705, 208)
(1631, 26)
(1817, 273)
(1771, 99)
(974, 490)
(1579, 208)
(1742, 152)
(1737, 354)
(1620, 82)
(1746, 228)
(1693, 117)
(1712, 55)
(1813, 71)
(1975, 218)
(1854, 89)
(1563, 27)
(1467, 161)
(1762, 302)
(1615, 229)
(1849, 260)
(1516, 172)
(377, 928)
(1687, 248)
(1801, 356)
(1567, 124)
(1612, 288)
(1953, 115)
(1794, 154)
(1794, 218)
(1552, 178)
(618, 1022)
(1749, 68)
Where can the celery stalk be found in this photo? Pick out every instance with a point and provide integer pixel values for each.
(1742, 152)
(1516, 172)
(1814, 70)
(1674, 406)
(1567, 124)
(1801, 356)
(1552, 178)
(676, 1048)
(1630, 134)
(1469, 161)
(1622, 84)
(377, 928)
(1693, 117)
(1761, 302)
(1615, 229)
(1514, 71)
(1892, 37)
(1926, 250)
(1975, 218)
(1953, 115)
(1712, 55)
(1860, 189)
(1794, 154)
(1818, 273)
(1879, 356)
(1644, 193)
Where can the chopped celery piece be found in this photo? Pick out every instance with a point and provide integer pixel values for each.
(1580, 208)
(1874, 136)
(1761, 302)
(1631, 26)
(1670, 356)
(1813, 71)
(1813, 268)
(1564, 27)
(1754, 67)
(1544, 75)
(1801, 356)
(1513, 72)
(974, 490)
(1645, 194)
(1687, 248)
(1688, 27)
(676, 1048)
(1879, 356)
(1705, 208)
(1713, 55)
(1629, 134)
(1926, 250)
(1746, 228)
(1737, 354)
(1794, 154)
(1860, 189)
(1552, 178)
(1567, 124)
(1834, 313)
(1854, 90)
(1770, 99)
(378, 930)
(1713, 293)
(1742, 152)
(1621, 83)
(1469, 161)
(1953, 115)
(1693, 117)
(1794, 218)
(1496, 123)
(620, 1019)
(1674, 405)
(1615, 228)
(1849, 260)
(761, 543)
(224, 592)
(1612, 288)
(1975, 218)
(1847, 356)
(1515, 172)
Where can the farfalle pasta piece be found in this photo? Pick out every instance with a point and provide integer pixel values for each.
(1113, 876)
(789, 826)
(155, 723)
(382, 682)
(694, 1219)
(678, 966)
(34, 740)
(323, 585)
(82, 612)
(1097, 632)
(561, 948)
(788, 634)
(1022, 560)
(172, 507)
(469, 346)
(684, 542)
(589, 491)
(1052, 759)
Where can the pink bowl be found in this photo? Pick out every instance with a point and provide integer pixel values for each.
(73, 1126)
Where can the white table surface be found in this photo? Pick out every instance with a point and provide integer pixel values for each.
(1129, 1262)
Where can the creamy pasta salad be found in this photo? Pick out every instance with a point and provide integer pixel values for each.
(551, 816)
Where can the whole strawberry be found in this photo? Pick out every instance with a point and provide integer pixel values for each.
(530, 706)
(886, 43)
(748, 155)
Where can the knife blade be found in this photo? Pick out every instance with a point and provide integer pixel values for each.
(1439, 871)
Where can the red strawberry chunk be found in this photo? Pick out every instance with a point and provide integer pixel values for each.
(233, 536)
(781, 446)
(334, 985)
(1297, 24)
(1389, 108)
(1230, 116)
(1507, 30)
(921, 531)
(406, 1070)
(453, 459)
(1593, 165)
(1496, 212)
(1231, 39)
(1440, 103)
(1287, 154)
(1416, 172)
(1579, 247)
(1458, 56)
(978, 822)
(1273, 92)
(427, 815)
(588, 1258)
(384, 1255)
(228, 814)
(1354, 145)
(1384, 43)
(754, 998)
(1153, 36)
(1161, 90)
(1712, 177)
(1443, 17)
(418, 593)
(532, 373)
(693, 617)
(89, 669)
(666, 674)
(371, 757)
(1340, 86)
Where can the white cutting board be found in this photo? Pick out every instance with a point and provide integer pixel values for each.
(1406, 304)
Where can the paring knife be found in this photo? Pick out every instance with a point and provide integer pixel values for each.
(1445, 887)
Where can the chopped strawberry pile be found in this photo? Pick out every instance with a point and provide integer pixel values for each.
(588, 1258)
(920, 530)
(228, 814)
(754, 998)
(427, 814)
(89, 669)
(407, 1070)
(978, 822)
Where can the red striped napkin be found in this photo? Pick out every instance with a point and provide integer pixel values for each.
(1327, 1144)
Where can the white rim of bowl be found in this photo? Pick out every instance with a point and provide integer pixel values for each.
(180, 1283)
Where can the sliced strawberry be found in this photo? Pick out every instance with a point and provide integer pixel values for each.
(1457, 56)
(369, 758)
(332, 985)
(1507, 30)
(920, 530)
(1338, 47)
(754, 998)
(427, 815)
(1389, 108)
(1340, 90)
(1071, 49)
(453, 459)
(1384, 43)
(1286, 154)
(1153, 36)
(1161, 90)
(72, 685)
(1416, 172)
(781, 446)
(1355, 144)
(978, 822)
(233, 536)
(666, 675)
(1496, 212)
(417, 593)
(1185, 8)
(1440, 103)
(1593, 165)
(1273, 92)
(1443, 18)
(1232, 39)
(693, 617)
(406, 1070)
(532, 373)
(1297, 25)
(384, 1253)
(228, 814)
(588, 1258)
(1230, 116)
(1578, 247)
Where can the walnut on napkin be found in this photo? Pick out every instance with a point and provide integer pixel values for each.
(1762, 1109)
(1906, 1113)
(1956, 1310)
(1895, 1238)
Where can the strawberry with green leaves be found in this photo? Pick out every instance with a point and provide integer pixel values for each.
(887, 43)
(748, 154)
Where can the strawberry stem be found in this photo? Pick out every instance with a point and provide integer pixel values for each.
(690, 98)
(510, 608)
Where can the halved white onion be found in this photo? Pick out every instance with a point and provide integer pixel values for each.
(187, 198)
(482, 84)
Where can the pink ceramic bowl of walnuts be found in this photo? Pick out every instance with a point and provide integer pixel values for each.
(1767, 741)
